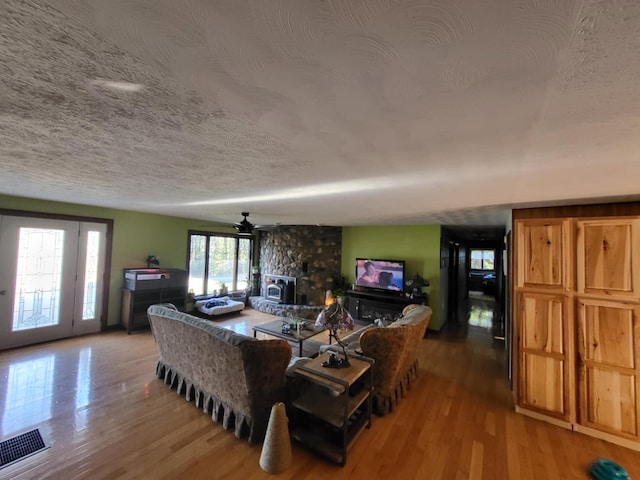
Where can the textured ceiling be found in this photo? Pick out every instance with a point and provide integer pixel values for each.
(338, 112)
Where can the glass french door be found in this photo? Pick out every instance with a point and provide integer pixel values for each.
(51, 279)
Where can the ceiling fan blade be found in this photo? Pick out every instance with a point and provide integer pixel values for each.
(214, 224)
(266, 228)
(243, 227)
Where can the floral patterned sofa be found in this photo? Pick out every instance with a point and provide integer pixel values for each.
(234, 378)
(395, 350)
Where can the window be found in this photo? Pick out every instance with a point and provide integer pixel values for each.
(217, 259)
(482, 259)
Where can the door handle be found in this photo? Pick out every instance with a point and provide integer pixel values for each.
(3, 292)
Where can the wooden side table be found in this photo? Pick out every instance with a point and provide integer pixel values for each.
(334, 407)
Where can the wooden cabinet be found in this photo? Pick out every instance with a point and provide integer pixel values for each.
(577, 292)
(135, 304)
(143, 287)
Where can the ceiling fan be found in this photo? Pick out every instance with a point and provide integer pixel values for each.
(244, 227)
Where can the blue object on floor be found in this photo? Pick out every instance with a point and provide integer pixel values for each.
(603, 469)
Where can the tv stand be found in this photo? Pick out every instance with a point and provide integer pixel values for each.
(366, 306)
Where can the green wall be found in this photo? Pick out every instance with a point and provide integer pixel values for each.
(135, 236)
(417, 245)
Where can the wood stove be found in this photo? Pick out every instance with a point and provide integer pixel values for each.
(280, 289)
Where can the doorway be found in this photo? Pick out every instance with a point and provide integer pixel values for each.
(53, 281)
(482, 281)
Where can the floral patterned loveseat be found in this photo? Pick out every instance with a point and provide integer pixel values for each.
(234, 378)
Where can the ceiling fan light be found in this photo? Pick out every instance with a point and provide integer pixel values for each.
(244, 228)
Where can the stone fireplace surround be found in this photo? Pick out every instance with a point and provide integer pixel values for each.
(311, 254)
(307, 312)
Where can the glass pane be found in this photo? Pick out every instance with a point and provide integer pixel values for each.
(482, 259)
(228, 261)
(38, 278)
(222, 251)
(476, 259)
(197, 259)
(487, 260)
(244, 263)
(91, 276)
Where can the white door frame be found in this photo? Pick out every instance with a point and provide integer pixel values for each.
(71, 303)
(83, 324)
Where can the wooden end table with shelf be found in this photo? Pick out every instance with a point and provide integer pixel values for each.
(334, 407)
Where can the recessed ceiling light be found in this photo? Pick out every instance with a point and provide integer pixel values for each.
(122, 86)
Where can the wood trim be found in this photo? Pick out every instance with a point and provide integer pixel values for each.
(592, 210)
(108, 254)
(54, 216)
(625, 442)
(544, 417)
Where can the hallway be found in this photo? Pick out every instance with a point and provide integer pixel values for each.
(478, 319)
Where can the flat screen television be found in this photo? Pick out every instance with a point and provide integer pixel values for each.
(380, 274)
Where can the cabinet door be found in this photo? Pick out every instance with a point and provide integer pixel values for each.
(608, 258)
(176, 296)
(608, 333)
(353, 305)
(543, 253)
(545, 374)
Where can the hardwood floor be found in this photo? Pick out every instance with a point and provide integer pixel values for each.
(108, 417)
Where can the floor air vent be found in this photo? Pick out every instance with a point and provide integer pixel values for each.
(21, 446)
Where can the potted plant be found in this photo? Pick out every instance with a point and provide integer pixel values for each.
(340, 288)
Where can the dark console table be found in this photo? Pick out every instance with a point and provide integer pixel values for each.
(369, 306)
(145, 286)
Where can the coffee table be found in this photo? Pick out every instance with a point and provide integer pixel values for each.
(275, 330)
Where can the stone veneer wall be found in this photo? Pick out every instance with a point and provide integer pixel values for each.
(307, 312)
(309, 253)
